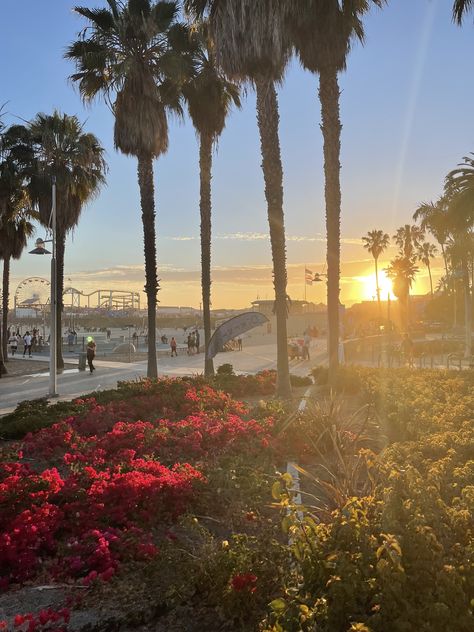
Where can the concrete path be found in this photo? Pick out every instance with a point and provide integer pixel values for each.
(74, 383)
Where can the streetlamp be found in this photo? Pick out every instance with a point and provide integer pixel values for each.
(41, 250)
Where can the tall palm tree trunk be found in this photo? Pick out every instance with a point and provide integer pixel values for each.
(5, 300)
(467, 310)
(445, 261)
(205, 207)
(60, 248)
(268, 120)
(377, 288)
(331, 128)
(3, 368)
(147, 201)
(431, 279)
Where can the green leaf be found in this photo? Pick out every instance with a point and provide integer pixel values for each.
(278, 605)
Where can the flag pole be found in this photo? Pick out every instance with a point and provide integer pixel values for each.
(305, 281)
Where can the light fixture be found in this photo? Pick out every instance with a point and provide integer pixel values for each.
(40, 248)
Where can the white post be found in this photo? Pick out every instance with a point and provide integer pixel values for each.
(54, 305)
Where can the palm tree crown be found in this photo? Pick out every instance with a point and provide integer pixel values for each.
(75, 158)
(461, 7)
(376, 242)
(408, 238)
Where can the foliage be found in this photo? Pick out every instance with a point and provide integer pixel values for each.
(400, 557)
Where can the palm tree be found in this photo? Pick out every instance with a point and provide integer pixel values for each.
(402, 270)
(323, 32)
(459, 187)
(251, 45)
(425, 253)
(408, 238)
(376, 242)
(15, 155)
(136, 54)
(433, 217)
(209, 96)
(75, 158)
(460, 7)
(15, 230)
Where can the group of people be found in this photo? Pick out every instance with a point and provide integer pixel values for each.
(193, 342)
(30, 341)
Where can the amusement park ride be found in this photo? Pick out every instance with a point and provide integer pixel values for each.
(33, 295)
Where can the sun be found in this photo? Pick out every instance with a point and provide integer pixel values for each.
(368, 287)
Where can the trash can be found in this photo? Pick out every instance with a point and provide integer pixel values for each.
(82, 361)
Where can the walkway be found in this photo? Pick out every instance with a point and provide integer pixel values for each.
(73, 383)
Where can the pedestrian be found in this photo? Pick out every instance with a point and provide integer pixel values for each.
(27, 339)
(173, 347)
(197, 340)
(13, 342)
(70, 340)
(190, 342)
(239, 343)
(91, 349)
(306, 345)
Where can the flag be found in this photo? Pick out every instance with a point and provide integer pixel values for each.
(308, 276)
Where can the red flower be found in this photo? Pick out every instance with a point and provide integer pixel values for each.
(243, 581)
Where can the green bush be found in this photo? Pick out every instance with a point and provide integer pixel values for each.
(400, 558)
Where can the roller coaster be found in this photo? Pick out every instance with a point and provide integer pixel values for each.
(34, 294)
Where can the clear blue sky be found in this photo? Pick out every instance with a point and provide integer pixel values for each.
(407, 120)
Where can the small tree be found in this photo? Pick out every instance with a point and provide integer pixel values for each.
(376, 242)
(425, 253)
(402, 271)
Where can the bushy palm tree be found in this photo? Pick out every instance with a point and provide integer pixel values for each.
(15, 158)
(433, 217)
(323, 32)
(425, 253)
(251, 44)
(408, 238)
(210, 96)
(136, 54)
(459, 187)
(15, 230)
(75, 158)
(376, 242)
(460, 8)
(402, 270)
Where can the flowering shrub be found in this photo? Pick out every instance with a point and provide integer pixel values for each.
(400, 557)
(113, 481)
(45, 620)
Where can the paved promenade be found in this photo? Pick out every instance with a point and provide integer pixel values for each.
(74, 383)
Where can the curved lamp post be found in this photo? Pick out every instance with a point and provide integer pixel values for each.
(41, 250)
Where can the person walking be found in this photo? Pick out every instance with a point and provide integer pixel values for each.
(239, 343)
(197, 340)
(91, 349)
(13, 342)
(27, 339)
(306, 345)
(173, 347)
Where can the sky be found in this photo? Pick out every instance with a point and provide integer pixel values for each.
(406, 110)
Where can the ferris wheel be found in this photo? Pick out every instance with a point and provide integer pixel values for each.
(32, 293)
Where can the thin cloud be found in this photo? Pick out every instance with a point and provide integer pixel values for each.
(256, 236)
